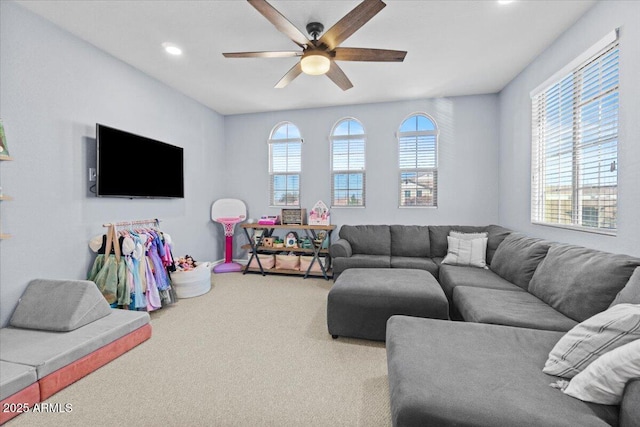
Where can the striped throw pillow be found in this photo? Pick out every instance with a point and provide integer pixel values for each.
(604, 380)
(592, 338)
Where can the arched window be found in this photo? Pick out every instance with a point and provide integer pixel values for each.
(347, 163)
(418, 161)
(285, 165)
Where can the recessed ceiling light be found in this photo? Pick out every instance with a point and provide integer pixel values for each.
(505, 1)
(172, 49)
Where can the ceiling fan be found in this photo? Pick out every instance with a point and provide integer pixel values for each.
(318, 55)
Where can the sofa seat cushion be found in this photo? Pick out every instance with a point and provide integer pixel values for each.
(360, 261)
(580, 282)
(367, 239)
(49, 351)
(59, 305)
(451, 276)
(509, 308)
(444, 373)
(15, 377)
(426, 264)
(410, 241)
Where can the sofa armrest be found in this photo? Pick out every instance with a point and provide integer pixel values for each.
(630, 405)
(340, 248)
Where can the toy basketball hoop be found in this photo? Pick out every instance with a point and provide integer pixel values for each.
(228, 212)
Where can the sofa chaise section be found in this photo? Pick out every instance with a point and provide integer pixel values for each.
(468, 374)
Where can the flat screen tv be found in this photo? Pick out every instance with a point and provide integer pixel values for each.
(134, 166)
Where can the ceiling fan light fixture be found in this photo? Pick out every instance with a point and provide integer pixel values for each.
(315, 63)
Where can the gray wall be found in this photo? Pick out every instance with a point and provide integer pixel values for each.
(515, 128)
(468, 160)
(54, 90)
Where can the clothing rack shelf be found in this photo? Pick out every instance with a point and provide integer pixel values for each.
(152, 221)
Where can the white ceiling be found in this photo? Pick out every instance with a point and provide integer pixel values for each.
(454, 47)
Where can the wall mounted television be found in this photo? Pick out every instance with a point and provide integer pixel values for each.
(134, 166)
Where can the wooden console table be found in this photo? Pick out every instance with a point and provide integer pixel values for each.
(310, 231)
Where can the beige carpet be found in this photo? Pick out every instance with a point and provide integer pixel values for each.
(254, 351)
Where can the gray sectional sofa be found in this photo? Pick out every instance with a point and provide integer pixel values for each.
(487, 371)
(60, 331)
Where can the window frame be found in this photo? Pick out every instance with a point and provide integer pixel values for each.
(417, 170)
(348, 171)
(272, 142)
(582, 129)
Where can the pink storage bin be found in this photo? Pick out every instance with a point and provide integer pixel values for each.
(306, 260)
(266, 260)
(287, 262)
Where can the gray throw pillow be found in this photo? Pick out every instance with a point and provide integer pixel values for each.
(630, 294)
(581, 282)
(517, 258)
(59, 305)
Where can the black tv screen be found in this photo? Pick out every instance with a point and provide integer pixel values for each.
(134, 166)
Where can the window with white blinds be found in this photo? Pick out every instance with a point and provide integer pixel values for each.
(348, 176)
(285, 165)
(418, 161)
(575, 146)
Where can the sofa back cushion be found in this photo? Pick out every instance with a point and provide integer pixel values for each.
(517, 258)
(630, 294)
(580, 282)
(368, 239)
(438, 237)
(59, 305)
(410, 241)
(496, 235)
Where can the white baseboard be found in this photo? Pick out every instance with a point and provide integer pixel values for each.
(221, 261)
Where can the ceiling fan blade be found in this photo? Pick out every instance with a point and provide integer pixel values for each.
(283, 54)
(281, 23)
(366, 54)
(291, 74)
(338, 76)
(351, 22)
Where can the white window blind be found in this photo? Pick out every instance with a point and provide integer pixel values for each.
(418, 161)
(348, 177)
(285, 165)
(575, 146)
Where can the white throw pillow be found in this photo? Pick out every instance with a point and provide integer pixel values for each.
(468, 236)
(592, 338)
(603, 381)
(466, 252)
